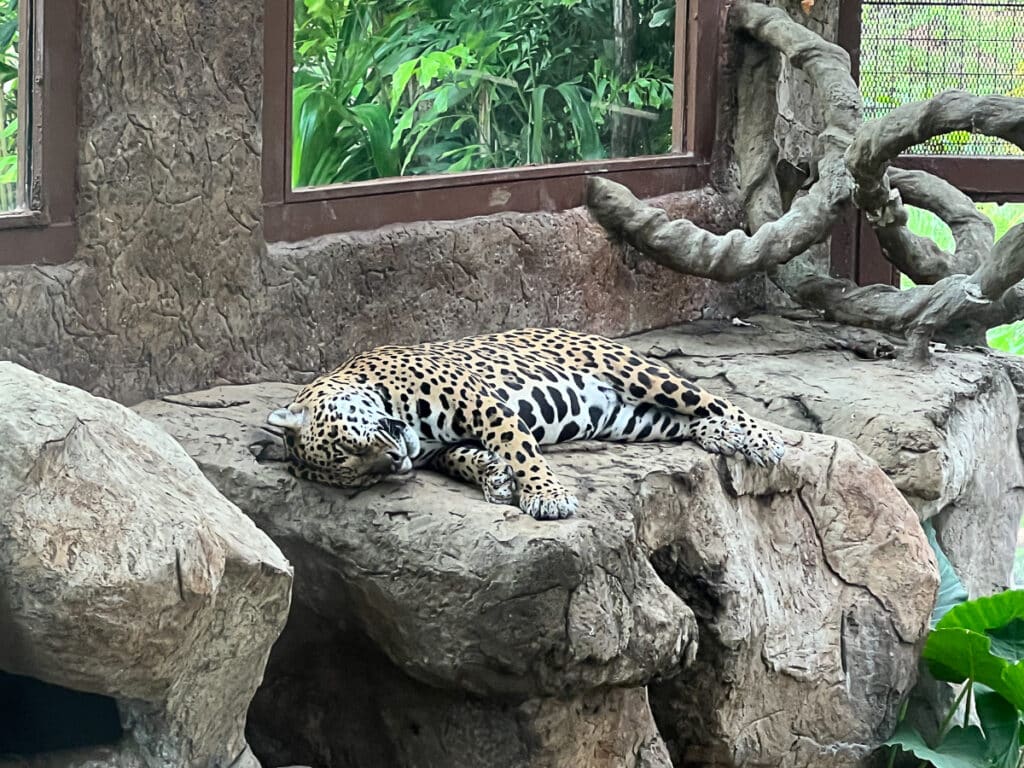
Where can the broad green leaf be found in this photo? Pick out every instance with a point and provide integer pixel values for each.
(951, 591)
(8, 169)
(986, 613)
(401, 79)
(961, 748)
(376, 124)
(955, 654)
(1002, 726)
(8, 29)
(313, 139)
(662, 18)
(582, 122)
(1008, 641)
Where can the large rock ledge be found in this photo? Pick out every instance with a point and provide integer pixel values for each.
(946, 435)
(433, 629)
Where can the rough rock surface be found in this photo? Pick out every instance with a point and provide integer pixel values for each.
(947, 435)
(124, 572)
(459, 625)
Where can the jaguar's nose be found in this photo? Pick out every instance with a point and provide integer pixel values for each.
(400, 463)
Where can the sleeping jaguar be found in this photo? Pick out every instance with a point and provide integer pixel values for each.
(479, 408)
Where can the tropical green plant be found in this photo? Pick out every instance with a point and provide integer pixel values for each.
(8, 104)
(386, 88)
(979, 645)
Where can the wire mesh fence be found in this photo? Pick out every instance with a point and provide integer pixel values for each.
(911, 50)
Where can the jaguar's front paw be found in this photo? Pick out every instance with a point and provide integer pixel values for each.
(499, 483)
(758, 443)
(763, 447)
(549, 504)
(719, 435)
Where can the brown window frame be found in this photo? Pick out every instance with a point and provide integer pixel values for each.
(856, 253)
(291, 215)
(44, 231)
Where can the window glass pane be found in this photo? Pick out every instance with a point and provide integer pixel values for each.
(9, 160)
(405, 87)
(912, 50)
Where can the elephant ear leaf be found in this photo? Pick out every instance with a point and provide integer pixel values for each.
(1002, 725)
(982, 640)
(961, 748)
(1008, 641)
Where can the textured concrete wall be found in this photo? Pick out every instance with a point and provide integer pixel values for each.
(172, 287)
(162, 294)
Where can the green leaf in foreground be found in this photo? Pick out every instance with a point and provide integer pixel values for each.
(962, 747)
(1000, 615)
(955, 654)
(1008, 641)
(1002, 726)
(961, 646)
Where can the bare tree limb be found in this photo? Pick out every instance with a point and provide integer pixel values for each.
(972, 230)
(878, 142)
(990, 296)
(919, 257)
(685, 247)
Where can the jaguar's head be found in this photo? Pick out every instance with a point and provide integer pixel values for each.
(344, 436)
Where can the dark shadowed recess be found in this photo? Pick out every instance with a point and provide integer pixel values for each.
(36, 717)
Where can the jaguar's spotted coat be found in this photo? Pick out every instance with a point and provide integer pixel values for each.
(479, 408)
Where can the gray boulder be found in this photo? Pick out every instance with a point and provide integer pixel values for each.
(123, 572)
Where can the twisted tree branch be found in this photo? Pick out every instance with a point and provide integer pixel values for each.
(919, 257)
(685, 247)
(878, 142)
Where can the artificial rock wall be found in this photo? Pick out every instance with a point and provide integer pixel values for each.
(172, 287)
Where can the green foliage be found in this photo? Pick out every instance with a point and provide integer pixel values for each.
(1008, 338)
(960, 748)
(980, 645)
(385, 88)
(982, 641)
(8, 104)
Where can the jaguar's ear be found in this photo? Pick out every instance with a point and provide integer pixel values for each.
(293, 417)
